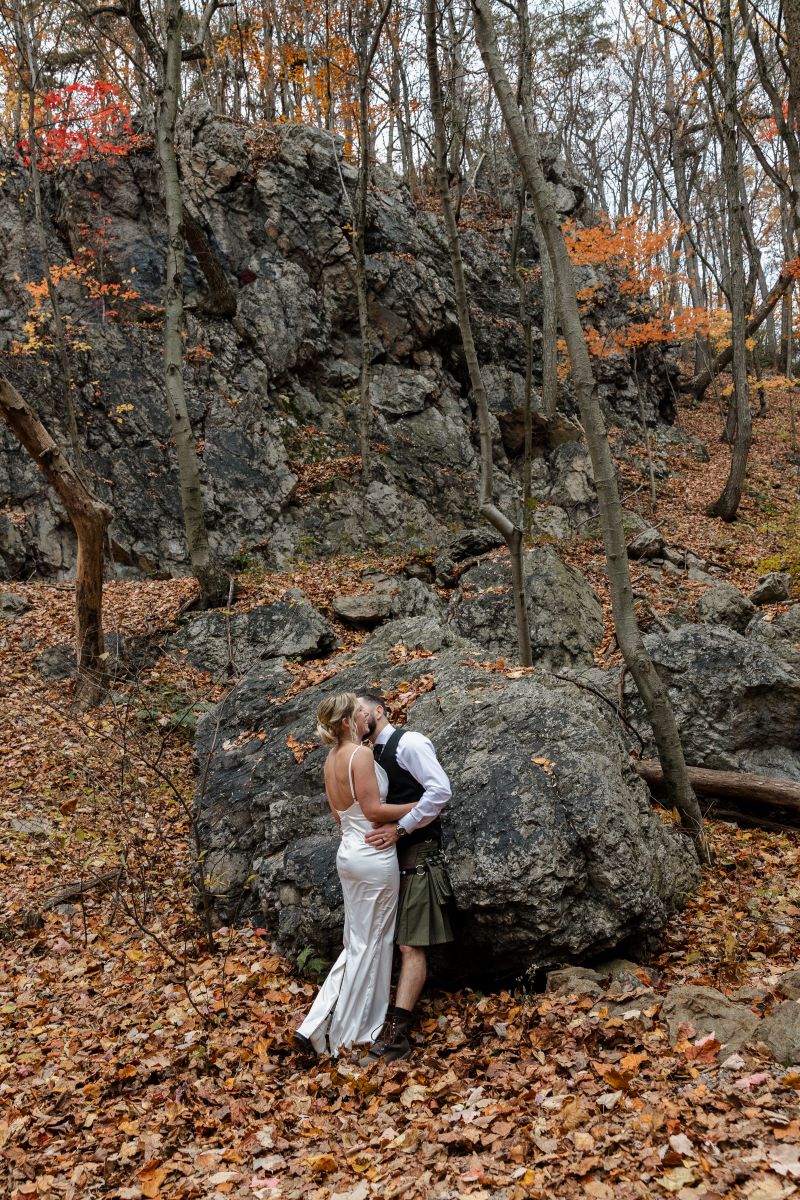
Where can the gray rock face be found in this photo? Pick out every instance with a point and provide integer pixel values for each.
(363, 610)
(789, 623)
(736, 700)
(550, 860)
(12, 606)
(647, 544)
(726, 605)
(789, 985)
(575, 981)
(565, 617)
(573, 482)
(708, 1011)
(388, 597)
(776, 638)
(772, 588)
(470, 543)
(287, 366)
(780, 1031)
(229, 645)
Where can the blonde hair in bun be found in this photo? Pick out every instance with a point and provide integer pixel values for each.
(331, 715)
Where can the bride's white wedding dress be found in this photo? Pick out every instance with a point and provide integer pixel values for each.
(352, 1002)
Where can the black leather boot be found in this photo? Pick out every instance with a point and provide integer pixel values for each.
(392, 1042)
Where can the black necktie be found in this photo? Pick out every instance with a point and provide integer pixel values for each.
(377, 751)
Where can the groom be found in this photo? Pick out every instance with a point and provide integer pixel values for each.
(415, 777)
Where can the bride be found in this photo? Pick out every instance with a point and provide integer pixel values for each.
(351, 1004)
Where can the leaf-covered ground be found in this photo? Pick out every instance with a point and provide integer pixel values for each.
(137, 1061)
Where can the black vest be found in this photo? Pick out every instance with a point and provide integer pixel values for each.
(405, 789)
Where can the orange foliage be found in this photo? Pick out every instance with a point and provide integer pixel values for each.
(627, 246)
(80, 271)
(635, 256)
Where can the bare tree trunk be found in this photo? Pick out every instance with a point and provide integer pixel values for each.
(511, 532)
(221, 300)
(90, 519)
(367, 48)
(652, 689)
(677, 127)
(630, 123)
(549, 332)
(727, 505)
(209, 573)
(733, 785)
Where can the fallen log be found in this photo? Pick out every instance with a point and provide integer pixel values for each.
(715, 813)
(76, 889)
(730, 785)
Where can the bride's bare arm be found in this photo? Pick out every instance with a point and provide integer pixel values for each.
(365, 783)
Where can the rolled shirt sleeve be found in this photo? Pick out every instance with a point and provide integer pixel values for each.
(415, 753)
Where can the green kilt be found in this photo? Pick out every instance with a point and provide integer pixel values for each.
(425, 897)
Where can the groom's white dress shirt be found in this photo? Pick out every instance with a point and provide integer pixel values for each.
(415, 754)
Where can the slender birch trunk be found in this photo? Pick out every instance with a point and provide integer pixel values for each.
(511, 532)
(727, 505)
(367, 48)
(651, 687)
(208, 571)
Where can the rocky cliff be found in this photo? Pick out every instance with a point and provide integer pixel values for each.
(273, 388)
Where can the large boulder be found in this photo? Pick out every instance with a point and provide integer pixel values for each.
(772, 588)
(736, 700)
(386, 596)
(780, 1032)
(554, 850)
(565, 618)
(229, 644)
(273, 393)
(724, 604)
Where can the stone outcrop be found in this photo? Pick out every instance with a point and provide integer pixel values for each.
(12, 606)
(386, 597)
(565, 618)
(703, 1011)
(554, 850)
(229, 644)
(724, 604)
(273, 390)
(772, 588)
(736, 699)
(707, 1011)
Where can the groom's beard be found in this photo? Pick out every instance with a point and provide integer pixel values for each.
(370, 730)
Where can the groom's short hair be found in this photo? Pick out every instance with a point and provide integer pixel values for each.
(372, 697)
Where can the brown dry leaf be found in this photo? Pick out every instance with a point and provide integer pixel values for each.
(322, 1164)
(151, 1180)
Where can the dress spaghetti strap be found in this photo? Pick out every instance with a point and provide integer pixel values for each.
(350, 773)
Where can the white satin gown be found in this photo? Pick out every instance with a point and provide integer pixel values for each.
(352, 1002)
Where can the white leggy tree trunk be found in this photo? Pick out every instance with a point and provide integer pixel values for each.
(212, 579)
(488, 509)
(650, 686)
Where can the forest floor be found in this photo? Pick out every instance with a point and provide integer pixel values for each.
(137, 1061)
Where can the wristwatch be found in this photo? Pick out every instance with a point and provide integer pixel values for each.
(401, 831)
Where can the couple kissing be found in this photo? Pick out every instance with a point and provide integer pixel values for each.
(386, 796)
